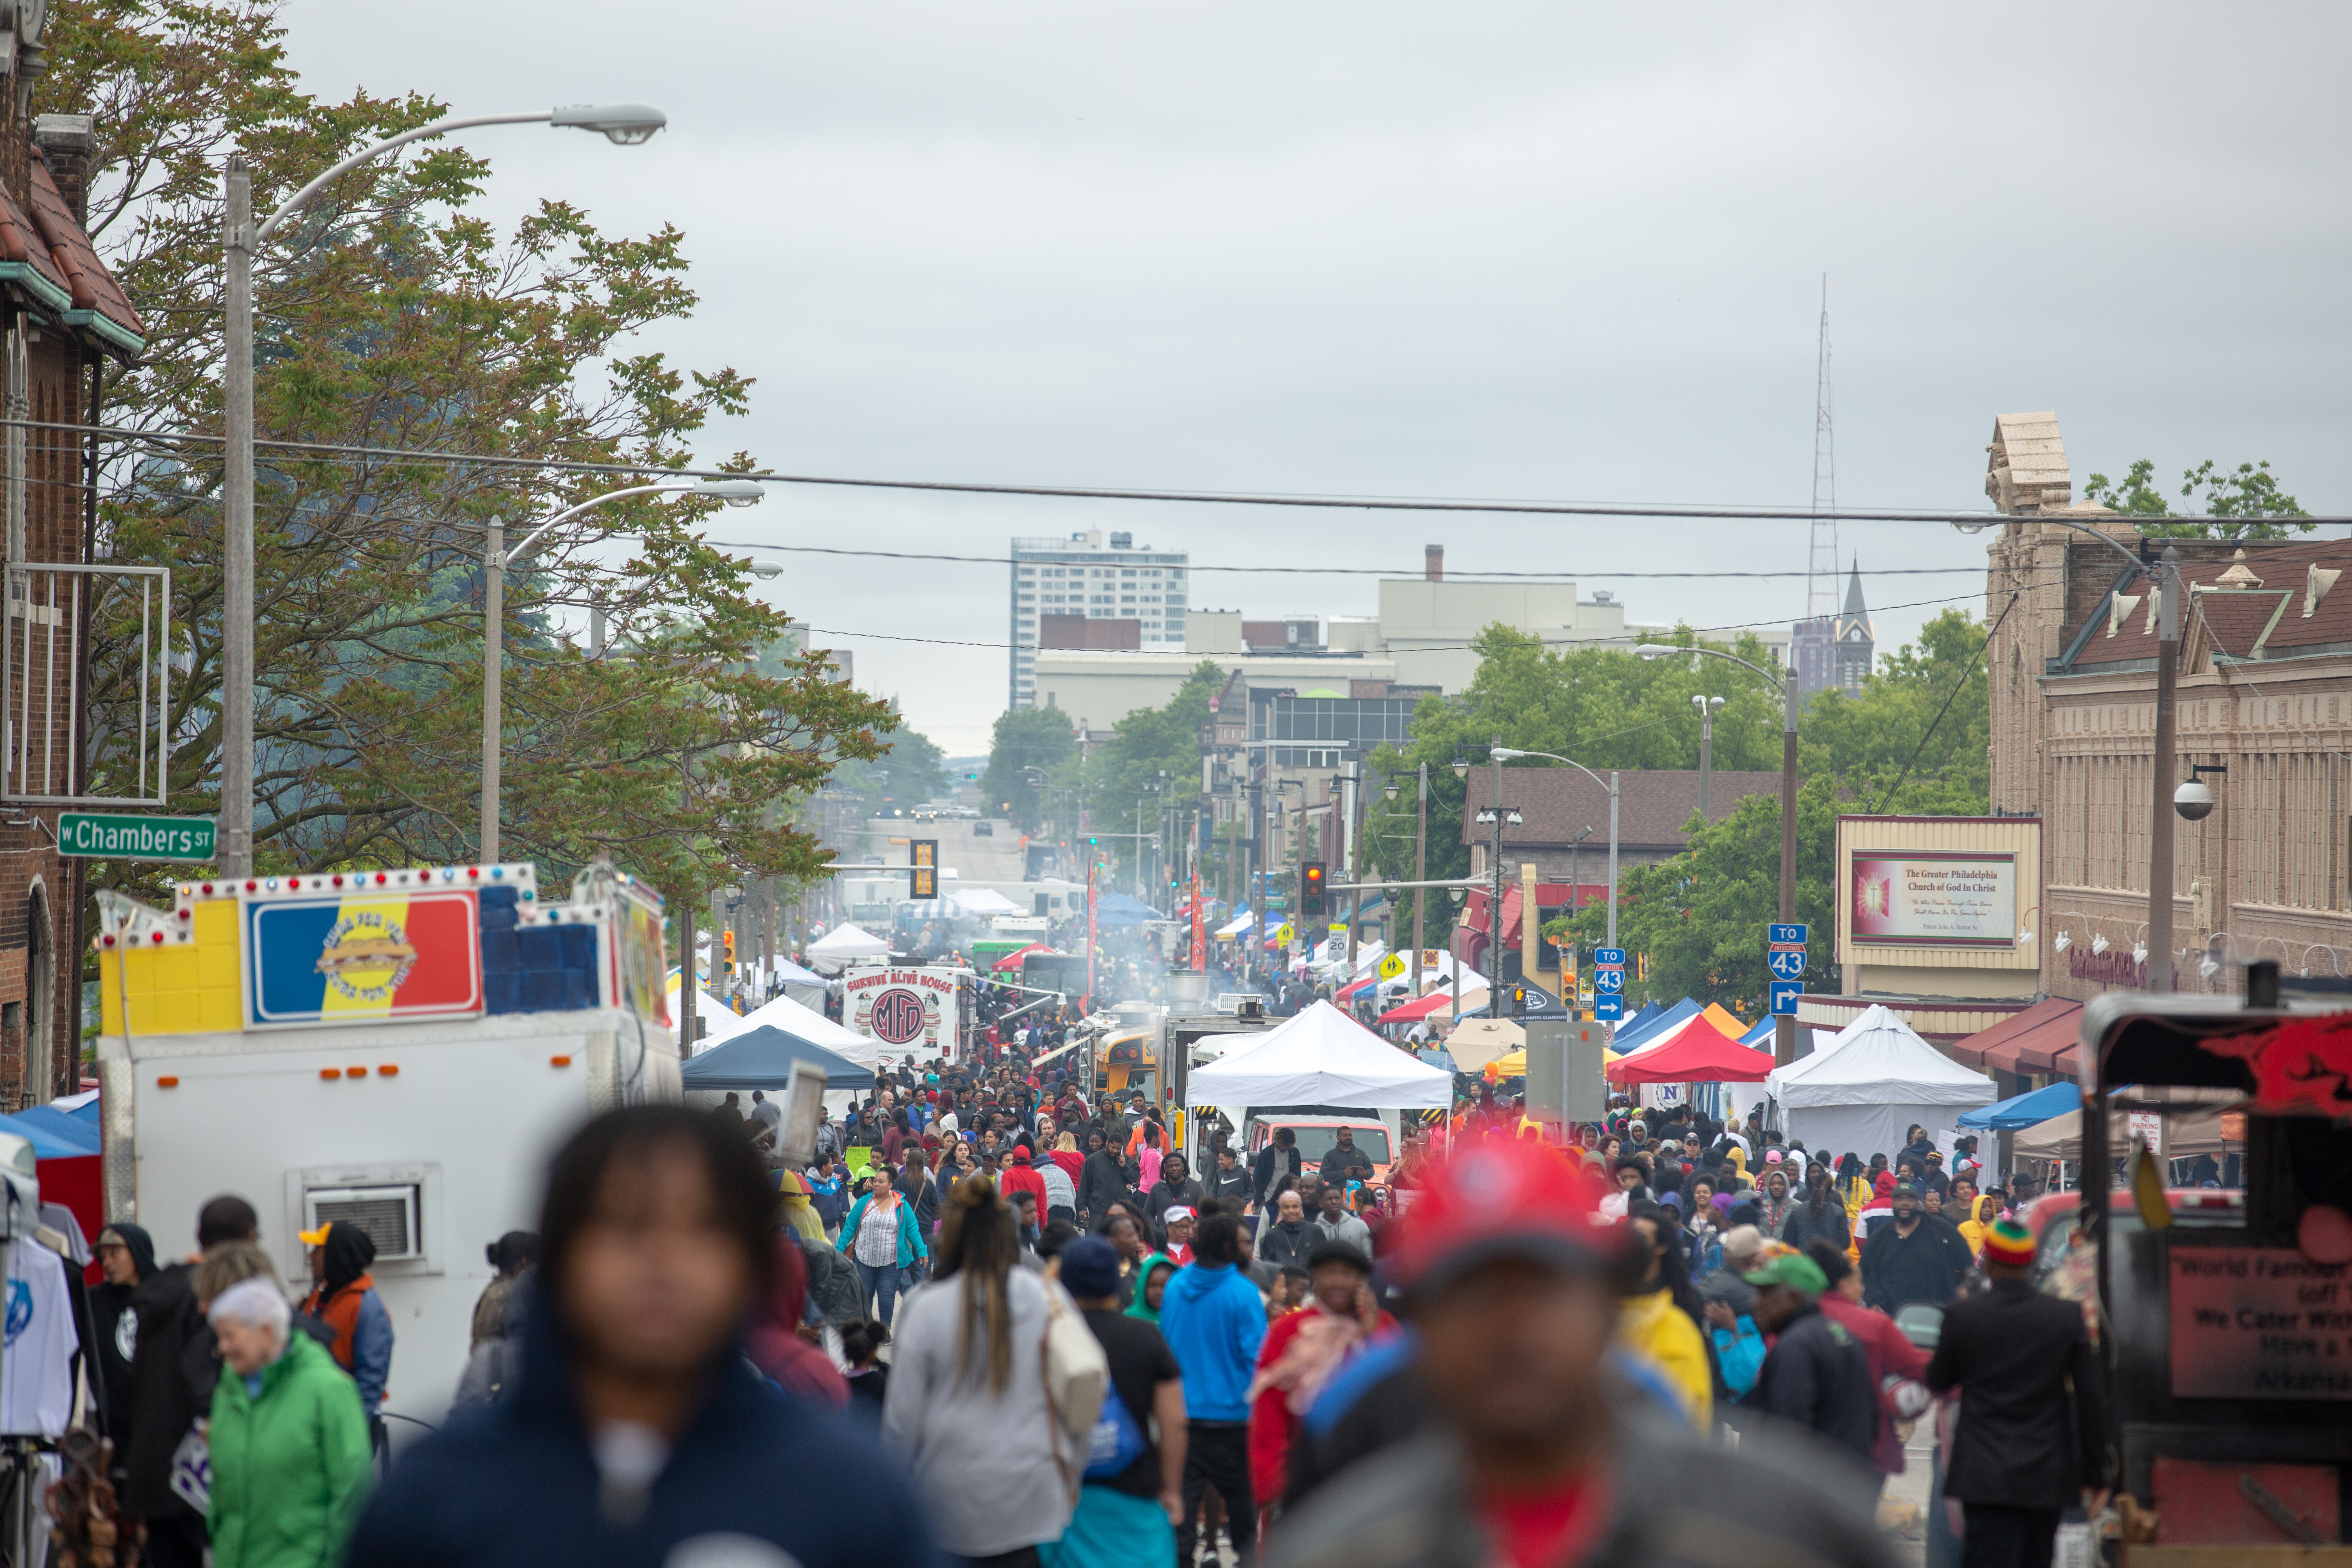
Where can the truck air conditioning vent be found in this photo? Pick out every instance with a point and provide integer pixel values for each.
(388, 1214)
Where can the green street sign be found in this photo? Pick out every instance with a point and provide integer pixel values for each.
(137, 837)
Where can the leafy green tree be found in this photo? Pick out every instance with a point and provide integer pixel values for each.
(2249, 496)
(1606, 707)
(392, 315)
(1124, 775)
(1022, 739)
(1914, 738)
(911, 769)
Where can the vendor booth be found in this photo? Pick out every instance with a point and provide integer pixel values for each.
(1696, 1052)
(1322, 1056)
(844, 943)
(1876, 1079)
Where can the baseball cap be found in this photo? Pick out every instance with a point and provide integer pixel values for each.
(1334, 1251)
(1904, 1189)
(1771, 1156)
(2009, 1243)
(1176, 1212)
(111, 1236)
(1742, 1241)
(316, 1237)
(1792, 1268)
(1513, 1199)
(1090, 1268)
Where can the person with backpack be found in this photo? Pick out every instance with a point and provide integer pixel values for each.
(1131, 1493)
(343, 1297)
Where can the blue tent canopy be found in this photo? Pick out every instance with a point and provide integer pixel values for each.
(763, 1058)
(1638, 1019)
(1761, 1035)
(2025, 1110)
(54, 1134)
(1680, 1011)
(1117, 910)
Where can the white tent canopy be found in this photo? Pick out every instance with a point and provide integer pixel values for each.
(719, 1021)
(844, 942)
(2184, 1137)
(812, 1025)
(1238, 924)
(1322, 1056)
(1876, 1079)
(987, 901)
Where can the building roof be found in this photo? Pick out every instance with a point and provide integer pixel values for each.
(1558, 802)
(2263, 601)
(1853, 605)
(60, 268)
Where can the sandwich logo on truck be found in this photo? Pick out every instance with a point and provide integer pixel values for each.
(363, 958)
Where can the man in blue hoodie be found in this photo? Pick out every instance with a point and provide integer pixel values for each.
(1214, 1318)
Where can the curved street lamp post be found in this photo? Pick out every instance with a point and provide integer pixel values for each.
(626, 123)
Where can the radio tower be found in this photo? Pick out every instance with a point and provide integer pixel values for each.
(1821, 583)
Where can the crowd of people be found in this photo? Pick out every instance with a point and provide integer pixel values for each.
(999, 1318)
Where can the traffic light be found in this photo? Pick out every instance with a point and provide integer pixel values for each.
(923, 874)
(1310, 892)
(728, 939)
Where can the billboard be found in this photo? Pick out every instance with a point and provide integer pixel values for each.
(1932, 898)
(911, 1014)
(364, 957)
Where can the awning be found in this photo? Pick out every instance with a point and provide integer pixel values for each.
(1435, 1002)
(1235, 926)
(2041, 1039)
(2025, 1110)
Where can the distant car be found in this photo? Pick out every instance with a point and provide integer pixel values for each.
(983, 830)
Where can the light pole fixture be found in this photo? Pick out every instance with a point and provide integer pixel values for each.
(497, 558)
(1461, 760)
(2165, 571)
(1784, 1024)
(626, 123)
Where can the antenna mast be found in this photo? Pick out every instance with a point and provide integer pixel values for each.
(1821, 579)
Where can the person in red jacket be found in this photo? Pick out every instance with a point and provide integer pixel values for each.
(1886, 1347)
(1017, 1177)
(1300, 1353)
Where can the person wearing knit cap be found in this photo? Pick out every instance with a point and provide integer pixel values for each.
(2032, 1436)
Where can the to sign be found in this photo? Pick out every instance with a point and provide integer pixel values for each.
(1609, 971)
(1780, 933)
(1784, 996)
(137, 837)
(1611, 955)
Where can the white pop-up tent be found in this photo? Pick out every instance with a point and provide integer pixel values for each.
(1874, 1080)
(1322, 1056)
(794, 1018)
(844, 942)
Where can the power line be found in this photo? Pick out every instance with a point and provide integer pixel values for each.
(1076, 492)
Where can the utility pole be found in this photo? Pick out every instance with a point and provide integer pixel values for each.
(1495, 909)
(1420, 871)
(237, 531)
(1707, 707)
(494, 659)
(2159, 823)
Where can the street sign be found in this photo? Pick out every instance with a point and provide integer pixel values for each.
(1609, 1009)
(136, 837)
(1609, 971)
(1788, 965)
(1784, 996)
(1779, 933)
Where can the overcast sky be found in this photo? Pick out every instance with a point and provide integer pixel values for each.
(1533, 250)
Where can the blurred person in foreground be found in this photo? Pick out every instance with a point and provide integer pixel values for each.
(1533, 1456)
(640, 1434)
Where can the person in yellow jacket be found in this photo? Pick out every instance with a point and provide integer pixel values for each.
(1658, 1318)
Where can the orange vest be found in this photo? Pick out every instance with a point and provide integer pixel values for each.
(341, 1315)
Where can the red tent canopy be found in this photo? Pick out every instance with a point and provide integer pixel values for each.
(1352, 987)
(1698, 1052)
(1414, 1012)
(1012, 960)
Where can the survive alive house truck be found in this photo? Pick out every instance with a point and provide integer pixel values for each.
(397, 1049)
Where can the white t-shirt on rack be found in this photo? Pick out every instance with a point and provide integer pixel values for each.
(37, 1363)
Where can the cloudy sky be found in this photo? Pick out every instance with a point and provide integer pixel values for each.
(1467, 250)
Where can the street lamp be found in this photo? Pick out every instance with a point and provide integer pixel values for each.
(626, 123)
(496, 558)
(2165, 569)
(1784, 1024)
(1707, 708)
(1509, 753)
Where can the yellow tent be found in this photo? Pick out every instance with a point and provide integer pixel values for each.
(1515, 1063)
(1722, 1020)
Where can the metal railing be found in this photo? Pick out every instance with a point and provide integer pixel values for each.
(69, 628)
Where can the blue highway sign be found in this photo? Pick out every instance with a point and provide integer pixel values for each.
(1795, 933)
(1787, 965)
(1784, 996)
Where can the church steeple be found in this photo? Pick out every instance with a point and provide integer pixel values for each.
(1855, 643)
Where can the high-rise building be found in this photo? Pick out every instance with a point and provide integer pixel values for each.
(1855, 643)
(1812, 648)
(1089, 591)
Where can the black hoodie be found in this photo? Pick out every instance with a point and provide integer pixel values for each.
(172, 1378)
(118, 1326)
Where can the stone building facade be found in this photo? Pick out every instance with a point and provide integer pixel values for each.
(62, 317)
(2264, 692)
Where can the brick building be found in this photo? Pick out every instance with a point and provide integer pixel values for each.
(62, 317)
(2265, 693)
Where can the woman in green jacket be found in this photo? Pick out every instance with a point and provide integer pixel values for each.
(289, 1442)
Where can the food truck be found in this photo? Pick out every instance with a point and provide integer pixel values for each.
(398, 1049)
(2228, 1344)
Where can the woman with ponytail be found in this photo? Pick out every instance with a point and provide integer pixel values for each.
(967, 1403)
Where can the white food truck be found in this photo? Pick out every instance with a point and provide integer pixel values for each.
(398, 1049)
